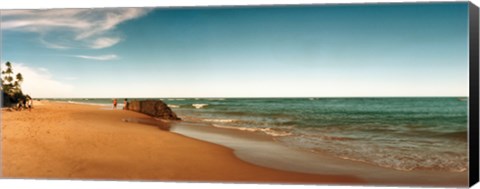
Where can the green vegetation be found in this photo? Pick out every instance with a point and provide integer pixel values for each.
(11, 86)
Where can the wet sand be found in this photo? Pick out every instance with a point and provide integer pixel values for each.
(262, 150)
(71, 141)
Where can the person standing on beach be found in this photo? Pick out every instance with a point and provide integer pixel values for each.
(125, 104)
(115, 103)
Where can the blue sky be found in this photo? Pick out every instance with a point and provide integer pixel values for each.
(286, 51)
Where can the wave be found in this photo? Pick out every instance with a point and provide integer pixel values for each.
(220, 120)
(276, 133)
(402, 156)
(173, 106)
(87, 103)
(267, 131)
(452, 163)
(215, 99)
(198, 106)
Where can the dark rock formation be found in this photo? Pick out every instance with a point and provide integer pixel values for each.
(154, 108)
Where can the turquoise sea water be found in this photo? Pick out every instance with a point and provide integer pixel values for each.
(399, 133)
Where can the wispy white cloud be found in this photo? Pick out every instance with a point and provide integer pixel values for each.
(52, 45)
(101, 57)
(104, 42)
(39, 82)
(66, 28)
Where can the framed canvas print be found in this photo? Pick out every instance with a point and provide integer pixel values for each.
(375, 94)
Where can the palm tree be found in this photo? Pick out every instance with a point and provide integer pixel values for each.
(10, 86)
(19, 78)
(17, 83)
(9, 79)
(8, 72)
(16, 86)
(9, 68)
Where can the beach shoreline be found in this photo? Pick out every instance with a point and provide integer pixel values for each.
(262, 152)
(71, 141)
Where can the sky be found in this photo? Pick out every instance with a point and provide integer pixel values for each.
(283, 51)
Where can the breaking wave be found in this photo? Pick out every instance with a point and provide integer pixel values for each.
(173, 106)
(267, 131)
(198, 106)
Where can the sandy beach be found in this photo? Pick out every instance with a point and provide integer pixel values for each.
(71, 141)
(296, 94)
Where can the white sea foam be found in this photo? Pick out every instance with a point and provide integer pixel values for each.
(86, 103)
(267, 131)
(173, 106)
(388, 155)
(276, 133)
(374, 140)
(119, 106)
(173, 99)
(220, 120)
(198, 106)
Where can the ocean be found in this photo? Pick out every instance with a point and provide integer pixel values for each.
(399, 133)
